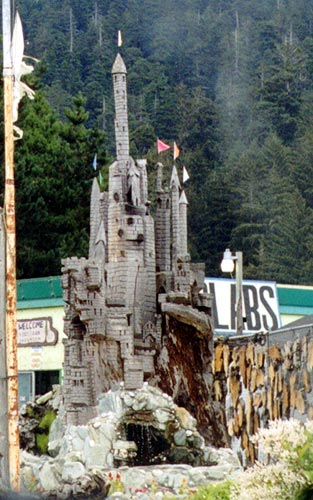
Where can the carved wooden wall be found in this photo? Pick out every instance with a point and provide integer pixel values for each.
(260, 379)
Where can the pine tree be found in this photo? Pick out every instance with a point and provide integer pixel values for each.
(53, 179)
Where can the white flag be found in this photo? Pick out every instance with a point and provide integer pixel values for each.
(186, 176)
(119, 38)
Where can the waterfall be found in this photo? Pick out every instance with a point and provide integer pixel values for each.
(150, 442)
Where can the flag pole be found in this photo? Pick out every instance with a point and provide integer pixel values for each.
(9, 212)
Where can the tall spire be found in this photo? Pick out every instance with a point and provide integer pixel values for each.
(119, 65)
(174, 183)
(119, 73)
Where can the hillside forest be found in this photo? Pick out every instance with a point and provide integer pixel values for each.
(231, 81)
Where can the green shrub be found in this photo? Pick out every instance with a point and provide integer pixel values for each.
(218, 491)
(47, 420)
(42, 443)
(42, 434)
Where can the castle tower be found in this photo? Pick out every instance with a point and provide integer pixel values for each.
(175, 185)
(118, 179)
(131, 259)
(119, 73)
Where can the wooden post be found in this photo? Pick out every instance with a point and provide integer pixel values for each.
(4, 440)
(9, 212)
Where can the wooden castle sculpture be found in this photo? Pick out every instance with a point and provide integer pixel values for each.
(137, 271)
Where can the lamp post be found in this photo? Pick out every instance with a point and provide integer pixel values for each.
(230, 262)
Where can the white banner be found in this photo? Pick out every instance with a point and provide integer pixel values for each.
(259, 301)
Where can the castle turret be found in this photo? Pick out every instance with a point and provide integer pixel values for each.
(159, 177)
(118, 170)
(175, 185)
(121, 115)
(183, 202)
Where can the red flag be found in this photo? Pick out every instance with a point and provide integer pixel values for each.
(161, 146)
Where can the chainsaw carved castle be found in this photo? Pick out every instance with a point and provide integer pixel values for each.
(138, 277)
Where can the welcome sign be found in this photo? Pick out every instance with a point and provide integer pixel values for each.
(37, 331)
(259, 302)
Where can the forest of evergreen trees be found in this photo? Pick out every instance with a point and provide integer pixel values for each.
(231, 81)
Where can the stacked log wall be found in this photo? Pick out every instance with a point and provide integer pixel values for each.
(262, 378)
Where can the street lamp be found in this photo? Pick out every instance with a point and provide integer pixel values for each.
(230, 262)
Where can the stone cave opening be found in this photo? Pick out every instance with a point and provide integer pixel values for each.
(151, 443)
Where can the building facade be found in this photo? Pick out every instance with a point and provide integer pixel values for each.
(40, 312)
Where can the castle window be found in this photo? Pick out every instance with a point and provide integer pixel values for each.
(120, 233)
(130, 221)
(140, 238)
(116, 197)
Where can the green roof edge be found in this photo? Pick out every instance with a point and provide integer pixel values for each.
(47, 292)
(39, 288)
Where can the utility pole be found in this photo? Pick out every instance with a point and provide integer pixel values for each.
(9, 214)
